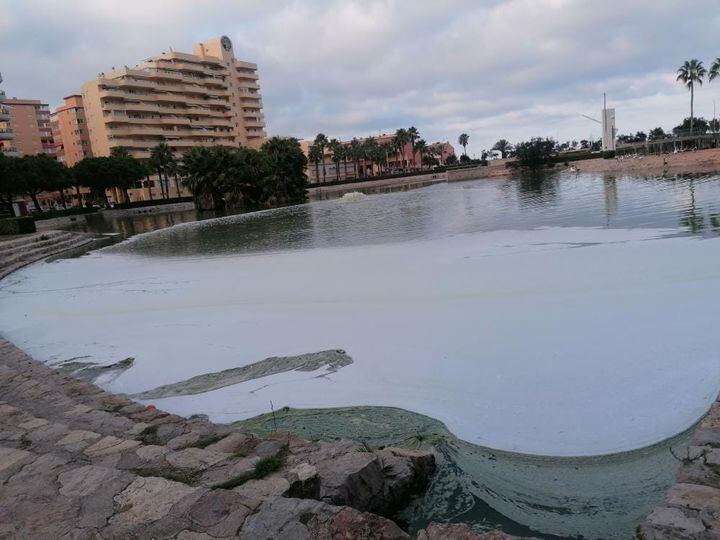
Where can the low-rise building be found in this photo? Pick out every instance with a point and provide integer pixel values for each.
(393, 160)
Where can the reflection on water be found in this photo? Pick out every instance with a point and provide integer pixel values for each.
(526, 202)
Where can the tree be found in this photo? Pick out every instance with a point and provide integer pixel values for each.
(463, 140)
(451, 159)
(162, 159)
(95, 173)
(338, 153)
(204, 171)
(504, 147)
(413, 135)
(315, 155)
(285, 181)
(125, 171)
(372, 151)
(354, 152)
(656, 134)
(700, 126)
(714, 70)
(421, 148)
(11, 181)
(535, 152)
(321, 141)
(692, 72)
(400, 140)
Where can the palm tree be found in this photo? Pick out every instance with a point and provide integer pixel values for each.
(463, 141)
(321, 141)
(399, 141)
(338, 151)
(162, 159)
(692, 72)
(355, 153)
(413, 135)
(371, 151)
(504, 147)
(420, 147)
(714, 69)
(315, 156)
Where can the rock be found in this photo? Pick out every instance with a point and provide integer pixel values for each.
(272, 486)
(82, 481)
(241, 469)
(305, 519)
(304, 482)
(405, 473)
(693, 496)
(673, 520)
(354, 479)
(34, 423)
(267, 449)
(235, 443)
(77, 436)
(147, 500)
(197, 459)
(109, 445)
(12, 456)
(457, 531)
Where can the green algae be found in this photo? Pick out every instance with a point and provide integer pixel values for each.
(376, 426)
(90, 371)
(525, 495)
(332, 359)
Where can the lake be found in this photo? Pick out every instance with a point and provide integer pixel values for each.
(565, 323)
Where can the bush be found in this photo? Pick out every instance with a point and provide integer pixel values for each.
(609, 154)
(17, 225)
(49, 214)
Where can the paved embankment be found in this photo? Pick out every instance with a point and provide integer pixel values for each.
(692, 506)
(77, 462)
(22, 250)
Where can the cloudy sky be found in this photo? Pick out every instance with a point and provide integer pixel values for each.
(490, 68)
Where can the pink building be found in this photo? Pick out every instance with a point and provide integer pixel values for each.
(394, 161)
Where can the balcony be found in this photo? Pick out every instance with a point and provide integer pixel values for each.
(6, 134)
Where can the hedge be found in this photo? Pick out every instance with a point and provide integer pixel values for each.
(17, 225)
(50, 214)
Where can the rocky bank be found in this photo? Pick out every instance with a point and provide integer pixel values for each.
(79, 463)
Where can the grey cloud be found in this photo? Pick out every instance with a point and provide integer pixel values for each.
(512, 69)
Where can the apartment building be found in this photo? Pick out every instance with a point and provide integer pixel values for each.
(69, 130)
(6, 135)
(206, 98)
(25, 127)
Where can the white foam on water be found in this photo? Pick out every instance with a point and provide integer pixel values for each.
(559, 341)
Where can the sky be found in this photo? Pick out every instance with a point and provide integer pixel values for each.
(493, 69)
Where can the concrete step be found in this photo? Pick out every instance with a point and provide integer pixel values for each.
(39, 241)
(29, 239)
(56, 245)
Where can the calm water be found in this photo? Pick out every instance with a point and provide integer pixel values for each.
(690, 204)
(594, 497)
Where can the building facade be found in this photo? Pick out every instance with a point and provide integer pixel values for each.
(25, 127)
(206, 98)
(69, 130)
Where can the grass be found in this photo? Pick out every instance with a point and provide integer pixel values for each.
(149, 436)
(263, 468)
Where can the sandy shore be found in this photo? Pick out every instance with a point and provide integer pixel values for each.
(701, 161)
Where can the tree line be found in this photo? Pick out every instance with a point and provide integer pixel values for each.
(216, 176)
(377, 153)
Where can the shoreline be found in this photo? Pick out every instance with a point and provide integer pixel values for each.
(698, 473)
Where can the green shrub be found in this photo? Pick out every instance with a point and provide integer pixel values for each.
(17, 225)
(609, 155)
